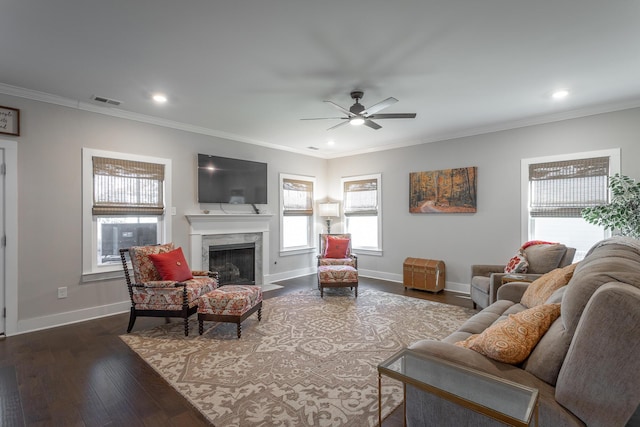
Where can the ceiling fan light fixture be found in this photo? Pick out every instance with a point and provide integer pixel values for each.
(356, 121)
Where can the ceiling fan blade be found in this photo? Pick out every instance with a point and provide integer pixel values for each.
(338, 125)
(327, 118)
(393, 116)
(372, 125)
(344, 110)
(379, 106)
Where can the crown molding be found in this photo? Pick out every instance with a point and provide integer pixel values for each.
(503, 126)
(143, 118)
(473, 131)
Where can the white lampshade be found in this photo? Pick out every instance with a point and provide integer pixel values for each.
(329, 209)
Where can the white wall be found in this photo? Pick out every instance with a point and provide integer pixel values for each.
(50, 203)
(50, 208)
(493, 233)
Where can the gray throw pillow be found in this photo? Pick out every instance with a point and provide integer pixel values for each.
(544, 258)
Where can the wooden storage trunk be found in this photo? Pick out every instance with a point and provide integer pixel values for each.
(425, 274)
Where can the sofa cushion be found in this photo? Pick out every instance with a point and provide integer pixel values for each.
(485, 318)
(172, 265)
(544, 258)
(546, 358)
(511, 340)
(556, 297)
(543, 287)
(612, 260)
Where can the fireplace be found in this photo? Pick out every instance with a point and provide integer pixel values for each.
(235, 263)
(209, 230)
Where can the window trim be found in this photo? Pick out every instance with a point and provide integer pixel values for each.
(365, 250)
(525, 225)
(310, 246)
(91, 271)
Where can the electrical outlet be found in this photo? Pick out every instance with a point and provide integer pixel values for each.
(62, 292)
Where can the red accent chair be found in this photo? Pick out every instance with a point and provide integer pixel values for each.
(151, 296)
(337, 270)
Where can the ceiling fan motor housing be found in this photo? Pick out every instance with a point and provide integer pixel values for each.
(357, 108)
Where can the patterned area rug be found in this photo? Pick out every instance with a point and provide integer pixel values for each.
(309, 362)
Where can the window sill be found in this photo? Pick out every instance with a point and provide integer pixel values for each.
(102, 275)
(372, 252)
(298, 251)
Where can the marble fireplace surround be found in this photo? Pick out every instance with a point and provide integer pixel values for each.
(224, 229)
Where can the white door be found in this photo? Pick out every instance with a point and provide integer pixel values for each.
(9, 237)
(2, 243)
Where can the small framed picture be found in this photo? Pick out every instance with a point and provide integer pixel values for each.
(9, 121)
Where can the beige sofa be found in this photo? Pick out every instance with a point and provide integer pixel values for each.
(587, 365)
(486, 279)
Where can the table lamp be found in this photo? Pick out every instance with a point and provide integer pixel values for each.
(329, 210)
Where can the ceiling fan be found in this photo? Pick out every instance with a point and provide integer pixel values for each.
(359, 115)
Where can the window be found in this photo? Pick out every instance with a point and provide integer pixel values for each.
(124, 203)
(296, 195)
(558, 188)
(361, 199)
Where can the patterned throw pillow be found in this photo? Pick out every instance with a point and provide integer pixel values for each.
(172, 265)
(336, 247)
(543, 287)
(143, 269)
(517, 264)
(511, 340)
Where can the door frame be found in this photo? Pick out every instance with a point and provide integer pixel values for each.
(11, 231)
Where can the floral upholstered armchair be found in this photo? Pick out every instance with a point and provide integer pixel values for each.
(163, 284)
(337, 265)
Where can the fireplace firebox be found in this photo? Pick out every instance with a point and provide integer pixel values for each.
(235, 263)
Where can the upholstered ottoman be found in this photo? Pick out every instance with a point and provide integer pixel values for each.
(231, 303)
(337, 276)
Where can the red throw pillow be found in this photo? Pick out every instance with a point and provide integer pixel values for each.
(336, 247)
(172, 265)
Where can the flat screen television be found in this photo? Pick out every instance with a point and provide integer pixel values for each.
(225, 180)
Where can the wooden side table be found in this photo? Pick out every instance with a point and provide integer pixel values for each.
(505, 401)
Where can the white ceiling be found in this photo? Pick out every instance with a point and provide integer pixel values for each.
(251, 69)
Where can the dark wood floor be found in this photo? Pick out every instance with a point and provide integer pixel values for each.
(84, 375)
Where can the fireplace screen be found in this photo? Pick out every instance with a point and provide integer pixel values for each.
(235, 264)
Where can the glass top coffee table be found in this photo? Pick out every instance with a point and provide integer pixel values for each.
(503, 400)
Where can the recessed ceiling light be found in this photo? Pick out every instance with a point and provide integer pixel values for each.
(159, 98)
(560, 94)
(331, 142)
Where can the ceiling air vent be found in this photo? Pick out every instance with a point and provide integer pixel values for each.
(313, 148)
(107, 101)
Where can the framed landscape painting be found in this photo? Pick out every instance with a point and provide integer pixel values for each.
(443, 191)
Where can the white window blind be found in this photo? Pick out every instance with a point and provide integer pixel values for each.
(561, 189)
(297, 197)
(126, 187)
(361, 197)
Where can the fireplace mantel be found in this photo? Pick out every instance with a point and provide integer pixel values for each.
(214, 224)
(207, 220)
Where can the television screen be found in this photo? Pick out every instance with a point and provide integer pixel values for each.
(225, 180)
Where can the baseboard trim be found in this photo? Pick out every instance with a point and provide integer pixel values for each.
(292, 274)
(70, 317)
(76, 316)
(463, 288)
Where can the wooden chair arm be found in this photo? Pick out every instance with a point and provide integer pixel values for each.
(159, 284)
